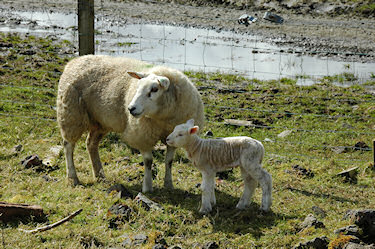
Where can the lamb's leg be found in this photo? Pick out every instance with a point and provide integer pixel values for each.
(168, 183)
(265, 181)
(249, 188)
(213, 197)
(70, 169)
(147, 180)
(207, 189)
(92, 143)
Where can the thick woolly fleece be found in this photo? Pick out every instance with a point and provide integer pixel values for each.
(94, 94)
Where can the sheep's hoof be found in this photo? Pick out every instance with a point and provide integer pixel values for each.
(147, 189)
(73, 182)
(264, 210)
(168, 185)
(242, 206)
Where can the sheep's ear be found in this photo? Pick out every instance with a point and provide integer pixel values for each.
(137, 75)
(164, 82)
(193, 130)
(190, 122)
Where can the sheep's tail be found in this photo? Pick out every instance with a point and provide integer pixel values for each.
(72, 115)
(262, 153)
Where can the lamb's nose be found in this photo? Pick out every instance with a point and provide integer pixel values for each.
(131, 109)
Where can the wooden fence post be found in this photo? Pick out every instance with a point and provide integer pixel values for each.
(86, 27)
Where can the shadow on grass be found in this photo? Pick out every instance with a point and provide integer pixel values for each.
(224, 217)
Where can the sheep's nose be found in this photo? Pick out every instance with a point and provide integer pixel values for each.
(131, 110)
(168, 140)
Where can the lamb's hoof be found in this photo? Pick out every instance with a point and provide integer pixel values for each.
(242, 205)
(102, 179)
(205, 210)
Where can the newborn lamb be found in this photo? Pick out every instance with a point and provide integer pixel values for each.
(215, 155)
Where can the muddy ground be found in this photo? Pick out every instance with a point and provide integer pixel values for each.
(325, 28)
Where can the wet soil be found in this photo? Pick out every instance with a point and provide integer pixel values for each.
(320, 29)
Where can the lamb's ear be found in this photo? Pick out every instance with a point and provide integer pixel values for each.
(137, 75)
(190, 122)
(164, 82)
(193, 130)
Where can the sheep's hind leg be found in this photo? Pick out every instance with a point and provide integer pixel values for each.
(168, 183)
(92, 144)
(265, 181)
(249, 188)
(147, 180)
(70, 169)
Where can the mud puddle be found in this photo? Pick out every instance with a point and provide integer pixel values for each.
(187, 48)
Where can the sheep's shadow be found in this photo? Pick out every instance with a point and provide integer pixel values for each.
(224, 216)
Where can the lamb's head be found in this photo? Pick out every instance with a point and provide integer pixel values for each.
(182, 134)
(149, 90)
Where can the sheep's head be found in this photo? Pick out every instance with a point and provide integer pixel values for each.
(150, 88)
(181, 135)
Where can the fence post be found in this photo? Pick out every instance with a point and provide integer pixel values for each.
(86, 27)
(373, 150)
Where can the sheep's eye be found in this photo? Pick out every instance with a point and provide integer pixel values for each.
(154, 89)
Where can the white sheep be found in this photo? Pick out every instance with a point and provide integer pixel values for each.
(100, 94)
(215, 155)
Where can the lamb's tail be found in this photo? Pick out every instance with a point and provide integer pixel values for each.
(261, 147)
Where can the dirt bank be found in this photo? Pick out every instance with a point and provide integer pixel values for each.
(326, 28)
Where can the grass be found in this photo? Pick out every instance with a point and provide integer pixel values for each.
(126, 44)
(320, 116)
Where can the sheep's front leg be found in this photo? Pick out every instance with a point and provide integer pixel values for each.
(147, 180)
(70, 169)
(208, 184)
(168, 183)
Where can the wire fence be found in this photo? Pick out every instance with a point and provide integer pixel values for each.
(205, 50)
(201, 49)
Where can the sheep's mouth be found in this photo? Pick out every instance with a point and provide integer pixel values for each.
(136, 115)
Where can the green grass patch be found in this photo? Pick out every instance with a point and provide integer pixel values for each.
(126, 44)
(320, 118)
(366, 9)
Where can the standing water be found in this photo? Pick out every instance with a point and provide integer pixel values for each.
(190, 48)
